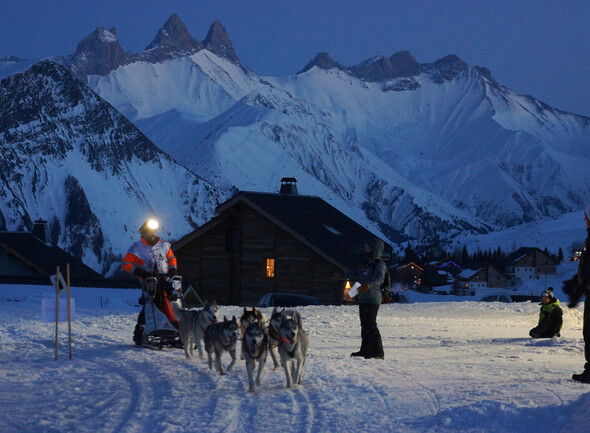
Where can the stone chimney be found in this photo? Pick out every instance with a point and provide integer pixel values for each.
(41, 231)
(288, 186)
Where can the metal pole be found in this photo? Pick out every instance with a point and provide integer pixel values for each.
(56, 308)
(69, 309)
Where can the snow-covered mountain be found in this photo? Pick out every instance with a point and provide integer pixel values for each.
(418, 148)
(413, 150)
(70, 158)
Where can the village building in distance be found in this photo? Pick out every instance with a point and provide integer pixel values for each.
(260, 243)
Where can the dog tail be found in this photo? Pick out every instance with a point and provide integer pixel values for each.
(176, 308)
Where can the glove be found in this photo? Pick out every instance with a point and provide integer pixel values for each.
(570, 286)
(574, 300)
(575, 292)
(172, 272)
(141, 273)
(364, 288)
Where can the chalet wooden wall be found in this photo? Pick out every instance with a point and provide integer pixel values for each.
(227, 262)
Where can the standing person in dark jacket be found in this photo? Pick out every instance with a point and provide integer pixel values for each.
(578, 287)
(370, 276)
(550, 317)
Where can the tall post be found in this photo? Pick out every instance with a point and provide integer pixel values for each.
(69, 309)
(56, 309)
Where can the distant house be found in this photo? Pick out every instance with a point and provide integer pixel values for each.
(266, 242)
(472, 282)
(434, 276)
(450, 266)
(529, 263)
(30, 258)
(410, 274)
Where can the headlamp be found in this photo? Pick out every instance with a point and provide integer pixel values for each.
(151, 224)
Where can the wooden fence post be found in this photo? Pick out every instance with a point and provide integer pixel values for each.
(56, 309)
(69, 309)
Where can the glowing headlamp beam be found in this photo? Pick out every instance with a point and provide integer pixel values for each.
(152, 224)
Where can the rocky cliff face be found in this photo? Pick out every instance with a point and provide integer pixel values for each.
(70, 158)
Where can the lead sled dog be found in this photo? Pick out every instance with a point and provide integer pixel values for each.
(292, 346)
(192, 325)
(222, 337)
(254, 351)
(248, 317)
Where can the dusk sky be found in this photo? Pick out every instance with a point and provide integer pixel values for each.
(535, 47)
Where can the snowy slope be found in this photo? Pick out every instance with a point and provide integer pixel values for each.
(69, 158)
(449, 367)
(504, 157)
(445, 150)
(201, 85)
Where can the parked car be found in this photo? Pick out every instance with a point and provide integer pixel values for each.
(510, 297)
(286, 300)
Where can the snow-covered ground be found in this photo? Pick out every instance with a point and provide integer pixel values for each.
(462, 366)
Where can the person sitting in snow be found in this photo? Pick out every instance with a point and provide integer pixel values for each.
(149, 257)
(550, 317)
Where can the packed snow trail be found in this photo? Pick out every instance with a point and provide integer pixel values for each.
(449, 367)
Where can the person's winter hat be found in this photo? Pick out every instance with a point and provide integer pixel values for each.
(548, 292)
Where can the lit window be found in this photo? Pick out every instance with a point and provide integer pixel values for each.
(269, 271)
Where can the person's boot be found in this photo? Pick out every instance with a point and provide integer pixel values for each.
(583, 377)
(374, 346)
(364, 345)
(138, 334)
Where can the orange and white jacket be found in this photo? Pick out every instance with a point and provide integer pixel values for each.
(158, 259)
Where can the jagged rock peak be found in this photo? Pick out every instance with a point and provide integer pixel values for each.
(404, 64)
(97, 38)
(174, 38)
(448, 68)
(401, 64)
(218, 42)
(322, 61)
(98, 53)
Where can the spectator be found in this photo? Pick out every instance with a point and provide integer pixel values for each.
(550, 317)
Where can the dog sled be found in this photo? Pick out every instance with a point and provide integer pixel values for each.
(157, 331)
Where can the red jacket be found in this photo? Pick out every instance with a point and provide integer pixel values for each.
(158, 259)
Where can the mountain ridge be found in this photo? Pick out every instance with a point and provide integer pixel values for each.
(420, 152)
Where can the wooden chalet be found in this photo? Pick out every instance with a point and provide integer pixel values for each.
(530, 263)
(29, 258)
(470, 282)
(260, 243)
(410, 274)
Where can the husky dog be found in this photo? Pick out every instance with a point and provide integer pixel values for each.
(247, 318)
(293, 346)
(254, 350)
(274, 337)
(192, 325)
(220, 337)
